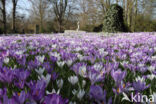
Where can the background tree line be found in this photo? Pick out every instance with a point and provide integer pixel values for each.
(59, 15)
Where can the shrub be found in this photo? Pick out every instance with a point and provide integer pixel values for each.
(113, 20)
(98, 28)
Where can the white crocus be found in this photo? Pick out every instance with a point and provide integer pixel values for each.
(78, 49)
(154, 48)
(80, 94)
(15, 66)
(6, 60)
(80, 57)
(83, 83)
(151, 77)
(151, 68)
(46, 78)
(98, 67)
(53, 91)
(69, 62)
(54, 46)
(154, 94)
(141, 65)
(124, 63)
(72, 102)
(141, 79)
(55, 54)
(19, 52)
(83, 71)
(74, 92)
(60, 83)
(60, 63)
(73, 80)
(40, 71)
(153, 58)
(40, 58)
(31, 47)
(103, 52)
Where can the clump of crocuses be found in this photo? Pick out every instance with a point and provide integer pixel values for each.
(77, 68)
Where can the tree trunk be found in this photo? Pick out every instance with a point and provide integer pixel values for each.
(60, 25)
(124, 8)
(4, 16)
(41, 16)
(128, 14)
(135, 14)
(14, 16)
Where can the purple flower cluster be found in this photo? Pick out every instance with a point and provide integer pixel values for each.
(76, 68)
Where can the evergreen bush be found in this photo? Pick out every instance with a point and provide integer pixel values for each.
(113, 20)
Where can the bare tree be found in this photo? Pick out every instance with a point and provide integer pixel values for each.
(39, 10)
(3, 10)
(60, 7)
(14, 3)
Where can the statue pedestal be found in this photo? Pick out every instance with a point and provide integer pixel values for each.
(74, 31)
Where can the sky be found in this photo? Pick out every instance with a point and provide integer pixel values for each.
(22, 8)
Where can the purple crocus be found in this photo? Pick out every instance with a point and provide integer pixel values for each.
(118, 76)
(47, 66)
(122, 88)
(20, 97)
(4, 53)
(140, 86)
(21, 75)
(97, 93)
(6, 75)
(37, 89)
(54, 76)
(54, 99)
(7, 100)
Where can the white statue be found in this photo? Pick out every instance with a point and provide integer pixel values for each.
(78, 26)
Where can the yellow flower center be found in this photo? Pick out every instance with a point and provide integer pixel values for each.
(124, 85)
(18, 94)
(118, 90)
(37, 93)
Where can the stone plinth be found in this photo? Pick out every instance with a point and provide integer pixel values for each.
(74, 31)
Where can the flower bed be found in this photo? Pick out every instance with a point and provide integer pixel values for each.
(77, 69)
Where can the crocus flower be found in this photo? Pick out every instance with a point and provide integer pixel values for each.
(6, 75)
(83, 83)
(73, 80)
(154, 94)
(4, 53)
(38, 90)
(20, 97)
(151, 77)
(60, 83)
(6, 60)
(95, 76)
(7, 100)
(47, 66)
(40, 71)
(45, 78)
(97, 93)
(40, 58)
(118, 76)
(54, 99)
(54, 76)
(140, 86)
(69, 62)
(80, 94)
(60, 63)
(53, 92)
(123, 87)
(83, 71)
